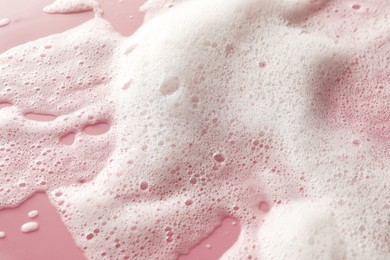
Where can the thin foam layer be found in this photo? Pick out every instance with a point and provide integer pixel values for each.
(71, 6)
(273, 113)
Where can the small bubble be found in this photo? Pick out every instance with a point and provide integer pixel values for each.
(32, 213)
(144, 185)
(193, 181)
(194, 99)
(356, 142)
(264, 206)
(262, 64)
(89, 236)
(255, 142)
(188, 202)
(356, 6)
(219, 157)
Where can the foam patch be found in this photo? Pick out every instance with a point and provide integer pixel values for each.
(273, 113)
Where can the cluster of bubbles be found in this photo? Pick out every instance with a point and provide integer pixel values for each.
(266, 112)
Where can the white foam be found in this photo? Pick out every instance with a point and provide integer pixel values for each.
(29, 227)
(71, 6)
(32, 213)
(4, 22)
(2, 234)
(273, 113)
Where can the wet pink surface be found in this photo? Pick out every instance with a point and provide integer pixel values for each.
(52, 240)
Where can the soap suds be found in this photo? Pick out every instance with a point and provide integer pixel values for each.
(4, 22)
(2, 234)
(71, 6)
(273, 113)
(32, 213)
(29, 227)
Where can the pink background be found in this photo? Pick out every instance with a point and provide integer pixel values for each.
(52, 240)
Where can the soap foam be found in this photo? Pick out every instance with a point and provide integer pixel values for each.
(29, 227)
(71, 6)
(32, 213)
(273, 113)
(4, 22)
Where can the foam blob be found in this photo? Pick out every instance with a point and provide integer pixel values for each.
(29, 227)
(2, 234)
(70, 6)
(4, 22)
(273, 113)
(32, 213)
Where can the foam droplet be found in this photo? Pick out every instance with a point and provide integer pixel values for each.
(32, 213)
(29, 227)
(4, 22)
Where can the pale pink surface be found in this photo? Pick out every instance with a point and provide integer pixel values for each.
(52, 240)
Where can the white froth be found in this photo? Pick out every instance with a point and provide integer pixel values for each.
(2, 234)
(71, 6)
(4, 22)
(32, 213)
(271, 112)
(29, 227)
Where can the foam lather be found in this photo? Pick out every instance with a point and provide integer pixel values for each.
(275, 113)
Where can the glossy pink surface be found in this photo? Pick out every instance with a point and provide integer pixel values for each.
(52, 240)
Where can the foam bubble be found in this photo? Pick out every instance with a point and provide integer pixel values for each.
(2, 234)
(29, 227)
(32, 213)
(4, 22)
